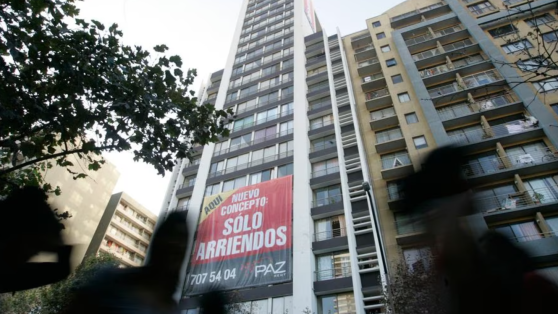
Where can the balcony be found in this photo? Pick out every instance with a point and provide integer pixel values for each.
(383, 119)
(341, 270)
(316, 61)
(317, 109)
(335, 280)
(251, 164)
(262, 121)
(124, 259)
(371, 65)
(388, 141)
(395, 200)
(325, 177)
(465, 113)
(416, 16)
(507, 133)
(186, 189)
(436, 56)
(516, 205)
(378, 99)
(365, 52)
(464, 67)
(373, 81)
(489, 79)
(263, 103)
(191, 167)
(512, 3)
(317, 91)
(397, 166)
(327, 207)
(254, 142)
(321, 129)
(500, 168)
(443, 36)
(330, 241)
(361, 40)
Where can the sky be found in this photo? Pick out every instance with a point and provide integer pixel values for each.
(200, 31)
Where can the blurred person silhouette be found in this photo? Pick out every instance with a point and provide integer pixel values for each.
(481, 275)
(148, 289)
(28, 226)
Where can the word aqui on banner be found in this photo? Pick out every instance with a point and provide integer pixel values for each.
(244, 238)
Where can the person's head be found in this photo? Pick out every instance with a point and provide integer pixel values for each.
(168, 245)
(28, 226)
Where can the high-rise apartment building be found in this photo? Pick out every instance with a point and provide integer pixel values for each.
(125, 230)
(337, 112)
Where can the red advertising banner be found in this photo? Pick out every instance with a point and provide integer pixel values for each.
(244, 238)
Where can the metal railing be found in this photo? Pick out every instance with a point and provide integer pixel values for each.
(315, 59)
(361, 37)
(444, 90)
(396, 161)
(448, 30)
(377, 94)
(419, 11)
(256, 141)
(320, 105)
(512, 2)
(445, 68)
(502, 202)
(328, 200)
(409, 225)
(371, 78)
(263, 103)
(426, 54)
(458, 45)
(195, 162)
(460, 110)
(324, 172)
(482, 78)
(330, 234)
(477, 135)
(341, 271)
(382, 114)
(256, 162)
(531, 237)
(395, 195)
(388, 136)
(320, 86)
(419, 39)
(497, 164)
(368, 62)
(485, 10)
(317, 125)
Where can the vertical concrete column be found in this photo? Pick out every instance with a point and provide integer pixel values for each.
(545, 228)
(487, 129)
(506, 162)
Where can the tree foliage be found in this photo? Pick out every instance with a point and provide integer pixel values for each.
(414, 291)
(69, 86)
(54, 298)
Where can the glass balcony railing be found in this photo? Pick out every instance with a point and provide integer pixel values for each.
(321, 104)
(327, 200)
(377, 94)
(456, 65)
(321, 146)
(419, 11)
(188, 184)
(324, 172)
(426, 54)
(256, 141)
(365, 48)
(444, 90)
(482, 78)
(341, 270)
(320, 124)
(485, 10)
(480, 134)
(330, 234)
(515, 161)
(464, 109)
(395, 161)
(513, 2)
(361, 37)
(419, 39)
(253, 163)
(382, 114)
(458, 45)
(371, 78)
(368, 62)
(534, 197)
(409, 225)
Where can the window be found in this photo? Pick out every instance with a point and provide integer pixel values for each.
(245, 106)
(420, 142)
(232, 96)
(238, 162)
(376, 24)
(411, 118)
(382, 114)
(521, 232)
(321, 122)
(216, 167)
(388, 135)
(243, 123)
(287, 91)
(550, 37)
(234, 184)
(418, 257)
(271, 69)
(409, 222)
(267, 115)
(212, 189)
(502, 31)
(546, 85)
(482, 8)
(241, 141)
(264, 134)
(540, 20)
(269, 98)
(394, 189)
(517, 46)
(381, 35)
(385, 48)
(555, 108)
(323, 143)
(286, 128)
(183, 203)
(287, 109)
(261, 176)
(542, 190)
(337, 304)
(397, 79)
(263, 155)
(285, 170)
(329, 228)
(391, 62)
(532, 65)
(328, 195)
(325, 167)
(494, 198)
(330, 266)
(270, 83)
(404, 97)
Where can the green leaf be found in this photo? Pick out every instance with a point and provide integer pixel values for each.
(160, 48)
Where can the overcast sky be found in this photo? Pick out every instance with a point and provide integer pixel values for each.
(200, 31)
